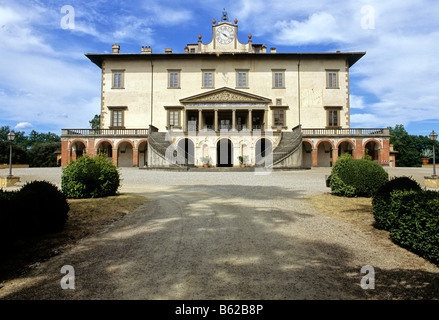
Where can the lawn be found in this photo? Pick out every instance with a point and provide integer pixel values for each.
(86, 217)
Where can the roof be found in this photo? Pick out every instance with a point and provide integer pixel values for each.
(98, 58)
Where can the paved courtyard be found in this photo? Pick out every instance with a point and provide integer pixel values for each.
(228, 235)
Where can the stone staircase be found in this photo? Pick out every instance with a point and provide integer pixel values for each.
(286, 154)
(158, 142)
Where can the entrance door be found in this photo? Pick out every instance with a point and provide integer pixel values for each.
(224, 153)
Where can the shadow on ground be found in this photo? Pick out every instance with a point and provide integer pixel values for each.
(212, 242)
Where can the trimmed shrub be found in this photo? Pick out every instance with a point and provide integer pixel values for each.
(415, 224)
(356, 177)
(90, 177)
(43, 206)
(382, 200)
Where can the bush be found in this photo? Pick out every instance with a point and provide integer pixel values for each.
(356, 177)
(382, 200)
(44, 207)
(39, 207)
(90, 177)
(415, 224)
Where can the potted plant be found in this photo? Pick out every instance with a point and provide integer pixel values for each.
(243, 160)
(426, 155)
(205, 161)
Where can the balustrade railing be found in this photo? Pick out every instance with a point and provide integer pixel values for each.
(104, 132)
(345, 132)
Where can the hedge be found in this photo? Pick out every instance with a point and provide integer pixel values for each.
(356, 177)
(415, 223)
(90, 177)
(382, 200)
(39, 207)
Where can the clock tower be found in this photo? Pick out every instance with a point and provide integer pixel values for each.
(224, 40)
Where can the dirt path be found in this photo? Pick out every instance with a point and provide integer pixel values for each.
(241, 238)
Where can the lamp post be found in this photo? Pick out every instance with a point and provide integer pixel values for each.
(433, 137)
(11, 137)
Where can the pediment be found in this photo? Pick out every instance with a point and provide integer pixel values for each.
(225, 95)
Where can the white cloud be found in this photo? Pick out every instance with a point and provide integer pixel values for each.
(320, 27)
(23, 126)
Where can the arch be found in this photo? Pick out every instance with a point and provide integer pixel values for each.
(224, 151)
(122, 141)
(309, 141)
(78, 148)
(263, 150)
(324, 153)
(141, 141)
(345, 146)
(369, 140)
(372, 148)
(325, 140)
(77, 140)
(142, 153)
(105, 146)
(125, 153)
(185, 151)
(104, 140)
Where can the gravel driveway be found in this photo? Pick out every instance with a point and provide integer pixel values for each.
(215, 235)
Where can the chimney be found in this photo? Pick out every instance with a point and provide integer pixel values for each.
(146, 49)
(168, 50)
(273, 50)
(115, 48)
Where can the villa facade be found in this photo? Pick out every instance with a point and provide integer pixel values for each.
(223, 100)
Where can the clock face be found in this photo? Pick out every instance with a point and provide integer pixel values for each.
(224, 34)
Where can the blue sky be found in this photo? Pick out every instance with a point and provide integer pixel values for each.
(48, 84)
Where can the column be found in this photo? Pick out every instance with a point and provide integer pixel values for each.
(250, 120)
(234, 120)
(65, 153)
(334, 156)
(314, 156)
(114, 156)
(135, 157)
(358, 152)
(265, 120)
(200, 119)
(184, 120)
(216, 121)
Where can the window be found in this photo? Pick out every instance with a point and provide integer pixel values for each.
(117, 116)
(242, 79)
(192, 50)
(174, 118)
(332, 79)
(117, 79)
(278, 79)
(174, 79)
(333, 117)
(207, 79)
(279, 117)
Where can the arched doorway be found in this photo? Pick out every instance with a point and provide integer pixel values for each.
(264, 149)
(105, 148)
(306, 154)
(125, 154)
(372, 149)
(185, 152)
(77, 150)
(345, 147)
(143, 154)
(224, 153)
(324, 154)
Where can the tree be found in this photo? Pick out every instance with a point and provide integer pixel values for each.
(95, 123)
(409, 147)
(19, 155)
(43, 154)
